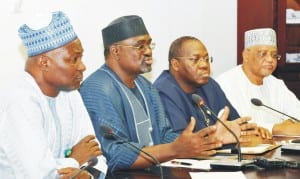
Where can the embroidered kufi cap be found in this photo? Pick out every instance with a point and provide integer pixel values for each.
(58, 33)
(262, 36)
(123, 28)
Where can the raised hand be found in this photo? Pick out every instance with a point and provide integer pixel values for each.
(232, 125)
(201, 143)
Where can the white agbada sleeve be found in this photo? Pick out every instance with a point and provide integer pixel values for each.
(84, 126)
(30, 144)
(274, 93)
(27, 153)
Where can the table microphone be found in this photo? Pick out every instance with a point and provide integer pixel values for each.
(258, 102)
(109, 134)
(90, 163)
(222, 164)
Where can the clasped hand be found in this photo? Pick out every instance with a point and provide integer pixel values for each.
(241, 127)
(69, 172)
(86, 149)
(83, 151)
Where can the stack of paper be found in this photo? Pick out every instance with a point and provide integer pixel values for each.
(259, 149)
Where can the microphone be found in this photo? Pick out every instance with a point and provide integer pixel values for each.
(222, 164)
(90, 163)
(109, 134)
(258, 102)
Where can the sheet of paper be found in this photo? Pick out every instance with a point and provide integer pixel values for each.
(231, 175)
(195, 164)
(188, 163)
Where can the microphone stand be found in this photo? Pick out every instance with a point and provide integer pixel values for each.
(297, 120)
(146, 153)
(226, 165)
(222, 165)
(108, 133)
(258, 102)
(238, 144)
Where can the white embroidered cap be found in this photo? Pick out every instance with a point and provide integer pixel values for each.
(261, 36)
(57, 33)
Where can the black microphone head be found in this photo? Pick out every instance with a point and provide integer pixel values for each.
(107, 132)
(90, 163)
(256, 102)
(93, 161)
(196, 98)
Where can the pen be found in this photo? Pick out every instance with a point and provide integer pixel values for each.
(180, 163)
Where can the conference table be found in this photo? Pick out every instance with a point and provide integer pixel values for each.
(250, 173)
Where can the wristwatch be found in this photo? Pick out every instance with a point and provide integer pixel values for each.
(67, 153)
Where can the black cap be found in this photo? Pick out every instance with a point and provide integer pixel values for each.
(123, 28)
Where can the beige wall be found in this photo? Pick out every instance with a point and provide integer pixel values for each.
(213, 23)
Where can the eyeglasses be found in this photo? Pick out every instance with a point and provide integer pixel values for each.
(142, 48)
(263, 54)
(196, 60)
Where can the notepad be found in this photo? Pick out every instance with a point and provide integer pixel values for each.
(291, 148)
(259, 149)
